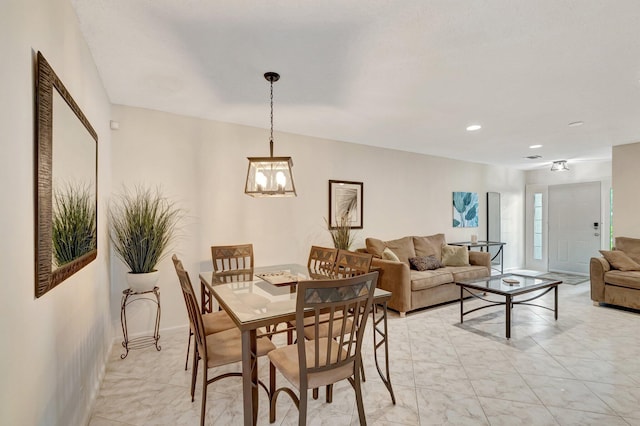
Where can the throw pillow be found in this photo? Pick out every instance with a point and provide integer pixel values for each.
(455, 256)
(619, 260)
(425, 263)
(387, 254)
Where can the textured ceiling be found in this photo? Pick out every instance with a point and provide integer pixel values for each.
(409, 75)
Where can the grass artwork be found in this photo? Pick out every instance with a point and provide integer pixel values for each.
(341, 234)
(142, 227)
(465, 209)
(73, 223)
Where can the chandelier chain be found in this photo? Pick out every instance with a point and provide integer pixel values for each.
(271, 137)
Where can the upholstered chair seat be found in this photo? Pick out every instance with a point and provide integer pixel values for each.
(285, 359)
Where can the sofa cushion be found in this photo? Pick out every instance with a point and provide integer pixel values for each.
(421, 280)
(619, 260)
(629, 279)
(375, 247)
(388, 254)
(631, 246)
(403, 248)
(466, 273)
(455, 256)
(425, 263)
(430, 245)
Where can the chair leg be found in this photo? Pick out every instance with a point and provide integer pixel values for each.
(302, 408)
(315, 393)
(364, 379)
(203, 410)
(194, 373)
(186, 362)
(329, 393)
(359, 403)
(289, 336)
(272, 390)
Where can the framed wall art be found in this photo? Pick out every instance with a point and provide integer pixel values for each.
(465, 209)
(345, 204)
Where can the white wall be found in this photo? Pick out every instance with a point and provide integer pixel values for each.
(626, 197)
(53, 348)
(202, 165)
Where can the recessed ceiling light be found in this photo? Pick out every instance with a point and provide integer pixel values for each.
(473, 127)
(535, 146)
(533, 157)
(576, 123)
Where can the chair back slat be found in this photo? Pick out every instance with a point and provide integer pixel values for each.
(232, 258)
(351, 264)
(346, 301)
(321, 259)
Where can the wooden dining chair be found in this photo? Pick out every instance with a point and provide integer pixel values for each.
(347, 264)
(309, 364)
(213, 322)
(230, 263)
(217, 349)
(350, 263)
(321, 259)
(232, 258)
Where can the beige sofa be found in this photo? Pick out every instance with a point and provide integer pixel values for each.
(418, 289)
(615, 283)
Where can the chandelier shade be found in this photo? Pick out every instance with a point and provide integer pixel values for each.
(270, 176)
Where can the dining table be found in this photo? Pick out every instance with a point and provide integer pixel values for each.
(256, 303)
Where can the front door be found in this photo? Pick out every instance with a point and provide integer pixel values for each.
(574, 226)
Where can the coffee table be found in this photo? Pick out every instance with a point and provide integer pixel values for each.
(497, 285)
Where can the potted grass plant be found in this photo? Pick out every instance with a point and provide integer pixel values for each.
(73, 223)
(142, 227)
(341, 234)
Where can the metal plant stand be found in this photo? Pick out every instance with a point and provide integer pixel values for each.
(142, 341)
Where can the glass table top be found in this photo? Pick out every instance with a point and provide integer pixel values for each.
(250, 298)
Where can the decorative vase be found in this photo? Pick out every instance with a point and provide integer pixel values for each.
(142, 282)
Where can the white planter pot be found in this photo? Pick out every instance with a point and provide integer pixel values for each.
(143, 282)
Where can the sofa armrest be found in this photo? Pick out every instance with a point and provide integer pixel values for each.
(480, 258)
(396, 278)
(597, 267)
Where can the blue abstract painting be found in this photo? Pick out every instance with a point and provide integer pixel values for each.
(465, 209)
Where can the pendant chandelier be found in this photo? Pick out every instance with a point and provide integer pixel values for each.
(270, 176)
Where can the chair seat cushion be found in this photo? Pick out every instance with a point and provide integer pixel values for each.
(216, 322)
(323, 326)
(225, 347)
(285, 359)
(421, 280)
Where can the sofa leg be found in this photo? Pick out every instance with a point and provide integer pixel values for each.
(403, 314)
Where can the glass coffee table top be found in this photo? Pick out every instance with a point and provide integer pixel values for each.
(508, 284)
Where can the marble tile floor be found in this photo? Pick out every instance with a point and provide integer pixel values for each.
(583, 369)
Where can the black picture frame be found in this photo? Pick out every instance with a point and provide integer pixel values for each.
(346, 199)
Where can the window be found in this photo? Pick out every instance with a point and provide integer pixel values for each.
(611, 219)
(537, 226)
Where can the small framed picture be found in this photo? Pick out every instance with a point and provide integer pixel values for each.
(345, 204)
